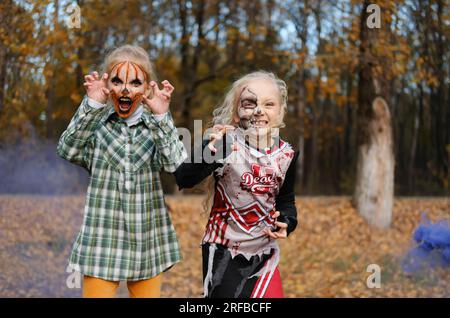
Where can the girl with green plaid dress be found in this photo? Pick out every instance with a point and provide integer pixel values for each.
(123, 134)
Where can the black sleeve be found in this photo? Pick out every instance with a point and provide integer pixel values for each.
(191, 173)
(285, 200)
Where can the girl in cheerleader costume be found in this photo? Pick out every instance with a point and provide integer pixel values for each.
(254, 201)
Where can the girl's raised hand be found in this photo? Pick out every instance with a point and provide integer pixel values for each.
(281, 233)
(218, 132)
(159, 104)
(96, 87)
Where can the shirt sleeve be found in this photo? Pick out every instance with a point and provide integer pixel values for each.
(170, 151)
(159, 117)
(94, 104)
(285, 200)
(76, 143)
(193, 170)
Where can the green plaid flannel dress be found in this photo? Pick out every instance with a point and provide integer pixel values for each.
(127, 233)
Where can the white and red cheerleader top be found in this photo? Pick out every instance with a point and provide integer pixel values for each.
(246, 188)
(251, 184)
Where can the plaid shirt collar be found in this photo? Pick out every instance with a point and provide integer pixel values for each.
(111, 115)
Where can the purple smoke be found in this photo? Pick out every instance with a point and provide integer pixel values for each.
(432, 246)
(33, 167)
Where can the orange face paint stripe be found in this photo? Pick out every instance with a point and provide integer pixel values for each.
(135, 70)
(127, 73)
(143, 72)
(119, 68)
(117, 65)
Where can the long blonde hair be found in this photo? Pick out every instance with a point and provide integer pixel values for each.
(225, 112)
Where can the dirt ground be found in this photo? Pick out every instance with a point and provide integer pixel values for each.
(327, 256)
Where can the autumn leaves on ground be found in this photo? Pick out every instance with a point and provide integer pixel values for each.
(327, 256)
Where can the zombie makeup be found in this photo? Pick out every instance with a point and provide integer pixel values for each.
(259, 113)
(127, 84)
(250, 112)
(248, 104)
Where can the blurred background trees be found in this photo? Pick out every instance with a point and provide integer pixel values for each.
(201, 46)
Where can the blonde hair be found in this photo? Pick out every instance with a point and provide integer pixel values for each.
(225, 112)
(132, 53)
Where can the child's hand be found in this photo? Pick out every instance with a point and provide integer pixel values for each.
(159, 104)
(281, 233)
(219, 132)
(96, 87)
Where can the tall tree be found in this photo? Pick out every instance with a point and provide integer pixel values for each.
(374, 186)
(299, 17)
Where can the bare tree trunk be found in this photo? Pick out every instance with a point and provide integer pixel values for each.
(374, 186)
(51, 89)
(184, 52)
(302, 33)
(349, 120)
(316, 109)
(190, 64)
(441, 127)
(412, 155)
(5, 20)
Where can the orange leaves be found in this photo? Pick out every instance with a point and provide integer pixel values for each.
(334, 246)
(327, 255)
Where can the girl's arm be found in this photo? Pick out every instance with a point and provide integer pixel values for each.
(196, 169)
(192, 172)
(170, 152)
(76, 142)
(285, 200)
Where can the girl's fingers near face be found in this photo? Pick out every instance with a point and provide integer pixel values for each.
(88, 78)
(165, 94)
(224, 130)
(168, 87)
(229, 127)
(217, 128)
(145, 99)
(155, 87)
(95, 75)
(214, 137)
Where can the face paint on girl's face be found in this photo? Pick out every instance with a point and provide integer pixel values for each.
(248, 102)
(127, 82)
(259, 106)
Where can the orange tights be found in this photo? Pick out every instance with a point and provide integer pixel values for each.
(94, 287)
